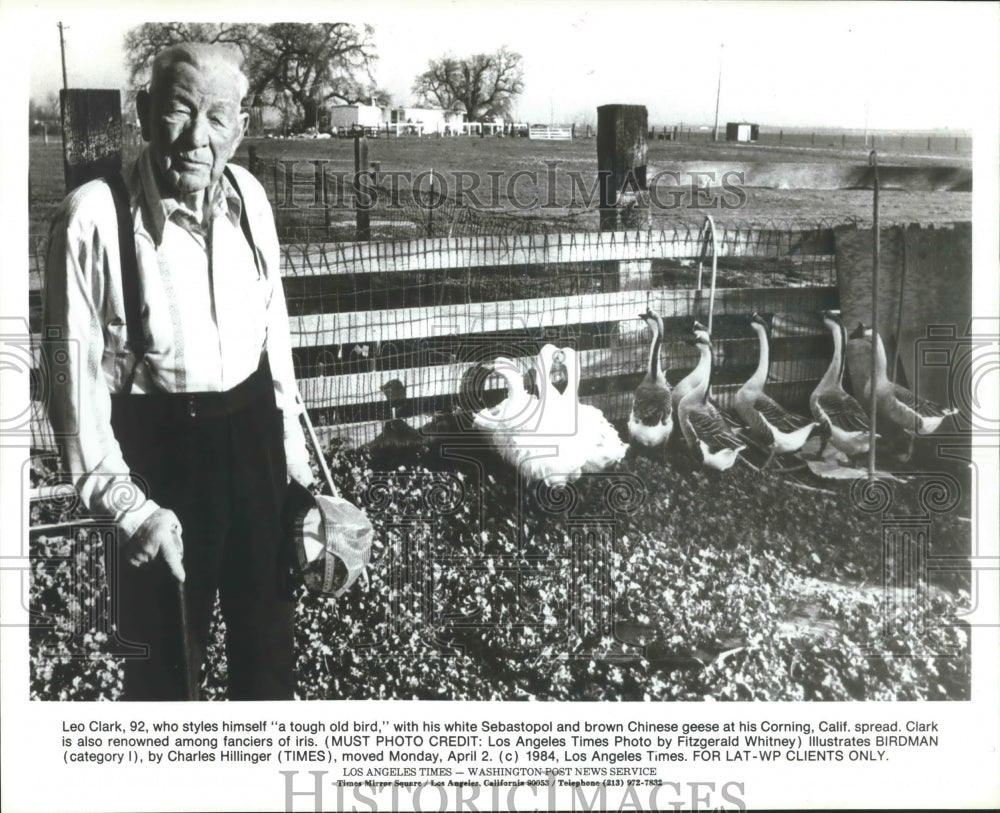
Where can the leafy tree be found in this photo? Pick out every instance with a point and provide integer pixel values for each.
(302, 66)
(483, 85)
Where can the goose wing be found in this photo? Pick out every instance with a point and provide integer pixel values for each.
(746, 408)
(923, 407)
(709, 426)
(776, 415)
(651, 405)
(844, 411)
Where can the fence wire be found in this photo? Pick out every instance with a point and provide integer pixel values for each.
(427, 316)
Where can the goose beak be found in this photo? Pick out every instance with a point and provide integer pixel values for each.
(758, 319)
(858, 332)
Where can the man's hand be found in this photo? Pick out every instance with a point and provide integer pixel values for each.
(301, 472)
(159, 535)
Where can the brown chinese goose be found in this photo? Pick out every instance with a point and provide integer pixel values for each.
(783, 431)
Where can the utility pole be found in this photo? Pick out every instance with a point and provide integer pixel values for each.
(62, 53)
(718, 95)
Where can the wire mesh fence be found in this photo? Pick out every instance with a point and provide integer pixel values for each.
(428, 316)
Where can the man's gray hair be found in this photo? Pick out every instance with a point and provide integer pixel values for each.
(198, 55)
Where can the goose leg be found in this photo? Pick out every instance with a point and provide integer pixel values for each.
(905, 458)
(824, 439)
(770, 458)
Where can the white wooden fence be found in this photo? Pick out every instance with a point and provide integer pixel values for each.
(551, 132)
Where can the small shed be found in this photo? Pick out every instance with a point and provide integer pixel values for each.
(742, 131)
(360, 115)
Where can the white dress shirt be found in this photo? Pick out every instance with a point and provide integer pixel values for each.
(208, 312)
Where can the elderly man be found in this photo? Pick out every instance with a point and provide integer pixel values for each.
(179, 402)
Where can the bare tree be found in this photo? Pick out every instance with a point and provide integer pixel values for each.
(302, 65)
(145, 41)
(482, 85)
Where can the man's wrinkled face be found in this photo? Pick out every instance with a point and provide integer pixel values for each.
(193, 124)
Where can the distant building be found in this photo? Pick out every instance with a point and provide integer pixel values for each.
(346, 116)
(424, 119)
(742, 131)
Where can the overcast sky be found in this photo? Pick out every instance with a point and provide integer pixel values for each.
(914, 65)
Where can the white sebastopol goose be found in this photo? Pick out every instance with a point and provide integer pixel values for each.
(841, 415)
(709, 438)
(518, 410)
(915, 416)
(782, 430)
(651, 418)
(596, 440)
(535, 435)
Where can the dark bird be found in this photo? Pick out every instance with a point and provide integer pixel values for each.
(709, 437)
(650, 420)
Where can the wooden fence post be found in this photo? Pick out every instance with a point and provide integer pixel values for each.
(363, 222)
(92, 134)
(621, 163)
(621, 179)
(325, 181)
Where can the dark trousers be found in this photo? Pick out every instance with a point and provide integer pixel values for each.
(217, 460)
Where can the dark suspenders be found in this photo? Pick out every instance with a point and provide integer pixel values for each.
(130, 263)
(244, 220)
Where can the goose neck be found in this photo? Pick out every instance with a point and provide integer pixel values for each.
(705, 373)
(834, 373)
(880, 363)
(763, 361)
(654, 352)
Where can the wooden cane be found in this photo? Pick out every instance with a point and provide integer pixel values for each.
(317, 448)
(190, 685)
(190, 682)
